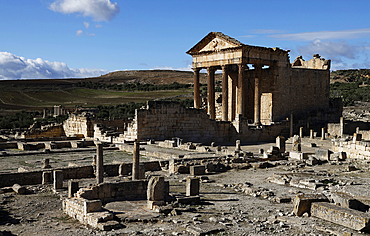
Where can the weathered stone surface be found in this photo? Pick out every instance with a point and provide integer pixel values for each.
(348, 201)
(302, 202)
(296, 143)
(92, 205)
(156, 189)
(19, 189)
(343, 216)
(322, 154)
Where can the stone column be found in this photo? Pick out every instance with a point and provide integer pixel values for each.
(211, 93)
(322, 133)
(225, 93)
(237, 145)
(58, 179)
(257, 95)
(311, 134)
(196, 88)
(136, 161)
(99, 163)
(240, 92)
(301, 132)
(341, 123)
(291, 125)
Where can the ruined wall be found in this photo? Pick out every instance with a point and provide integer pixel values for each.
(79, 124)
(83, 125)
(49, 131)
(165, 120)
(300, 90)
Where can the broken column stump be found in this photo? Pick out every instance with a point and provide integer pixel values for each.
(302, 202)
(46, 163)
(342, 216)
(192, 186)
(155, 192)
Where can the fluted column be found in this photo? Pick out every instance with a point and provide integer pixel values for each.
(211, 93)
(196, 88)
(225, 93)
(257, 95)
(240, 92)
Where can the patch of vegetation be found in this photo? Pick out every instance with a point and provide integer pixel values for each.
(350, 92)
(132, 86)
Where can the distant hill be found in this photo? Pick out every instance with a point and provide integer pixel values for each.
(349, 76)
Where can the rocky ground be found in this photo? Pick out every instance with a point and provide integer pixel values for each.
(245, 200)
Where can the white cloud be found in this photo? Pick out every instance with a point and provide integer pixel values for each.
(15, 67)
(98, 26)
(99, 10)
(188, 68)
(331, 49)
(324, 35)
(78, 32)
(86, 24)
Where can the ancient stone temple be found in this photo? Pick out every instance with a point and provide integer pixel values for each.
(258, 83)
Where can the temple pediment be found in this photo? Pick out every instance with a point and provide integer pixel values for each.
(215, 41)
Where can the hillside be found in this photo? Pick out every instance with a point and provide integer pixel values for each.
(138, 86)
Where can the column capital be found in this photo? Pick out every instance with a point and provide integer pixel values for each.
(196, 69)
(225, 67)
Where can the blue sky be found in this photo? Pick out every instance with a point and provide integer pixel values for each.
(82, 38)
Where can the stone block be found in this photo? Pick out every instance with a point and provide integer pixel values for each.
(58, 179)
(302, 202)
(156, 189)
(47, 177)
(92, 206)
(298, 155)
(197, 170)
(72, 187)
(192, 186)
(322, 154)
(19, 189)
(347, 201)
(343, 216)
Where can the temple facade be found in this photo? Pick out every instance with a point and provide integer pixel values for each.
(259, 83)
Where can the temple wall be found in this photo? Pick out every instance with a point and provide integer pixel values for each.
(165, 120)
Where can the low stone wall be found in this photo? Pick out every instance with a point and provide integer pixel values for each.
(165, 120)
(78, 172)
(358, 149)
(136, 189)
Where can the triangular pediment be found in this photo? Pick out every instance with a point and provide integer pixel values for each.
(215, 41)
